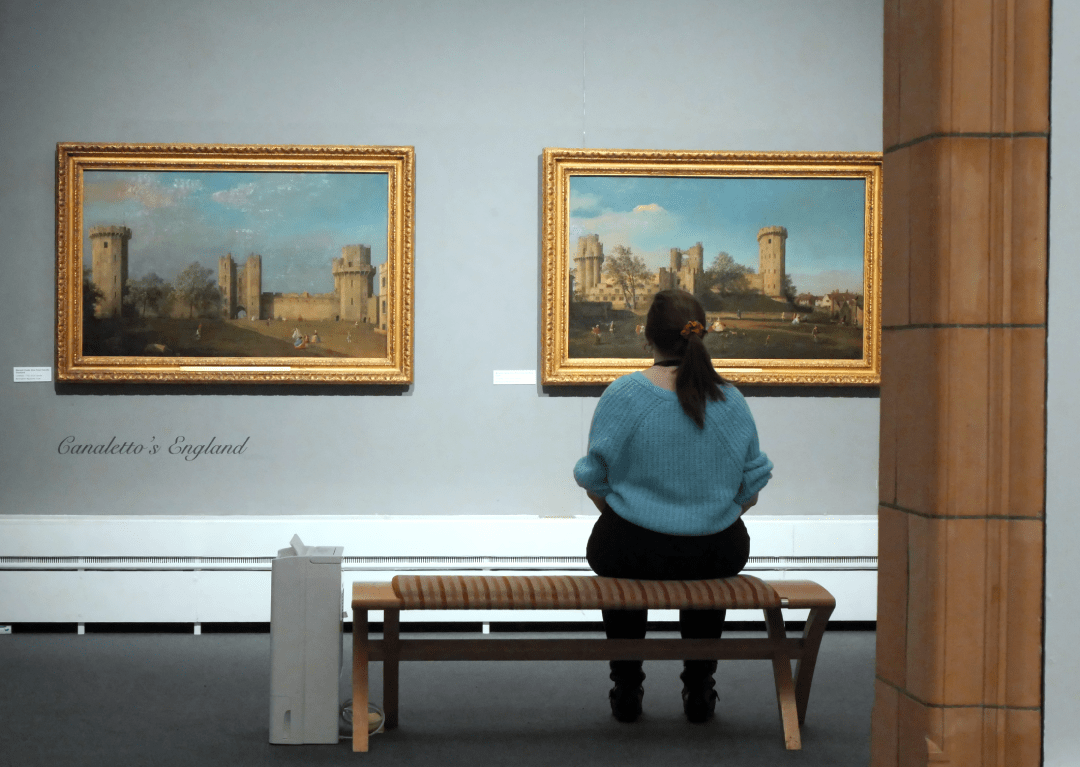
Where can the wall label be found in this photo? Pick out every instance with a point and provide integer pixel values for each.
(513, 377)
(180, 447)
(26, 375)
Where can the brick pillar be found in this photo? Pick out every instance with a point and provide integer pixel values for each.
(960, 581)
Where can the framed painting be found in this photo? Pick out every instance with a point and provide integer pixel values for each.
(782, 249)
(182, 263)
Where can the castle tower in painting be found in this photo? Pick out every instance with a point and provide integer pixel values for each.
(109, 262)
(695, 258)
(227, 286)
(249, 287)
(687, 269)
(353, 276)
(241, 288)
(772, 250)
(590, 262)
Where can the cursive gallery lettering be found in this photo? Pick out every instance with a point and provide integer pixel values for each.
(189, 451)
(68, 446)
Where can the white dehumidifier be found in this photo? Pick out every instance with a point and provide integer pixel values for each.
(306, 601)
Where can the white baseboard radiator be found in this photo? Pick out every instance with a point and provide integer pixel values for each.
(198, 569)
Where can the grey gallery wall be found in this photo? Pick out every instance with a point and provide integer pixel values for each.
(479, 89)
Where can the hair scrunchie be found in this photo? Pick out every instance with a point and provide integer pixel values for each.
(693, 327)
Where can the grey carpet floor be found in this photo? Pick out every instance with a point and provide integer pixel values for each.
(168, 699)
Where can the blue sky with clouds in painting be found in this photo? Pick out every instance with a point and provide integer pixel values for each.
(297, 222)
(651, 215)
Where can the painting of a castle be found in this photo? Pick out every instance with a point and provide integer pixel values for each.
(160, 278)
(777, 262)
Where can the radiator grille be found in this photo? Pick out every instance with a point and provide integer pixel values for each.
(398, 563)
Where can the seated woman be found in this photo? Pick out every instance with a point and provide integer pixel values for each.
(673, 464)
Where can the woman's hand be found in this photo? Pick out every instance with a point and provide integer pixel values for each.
(749, 504)
(599, 502)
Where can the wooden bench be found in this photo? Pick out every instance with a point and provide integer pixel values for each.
(564, 592)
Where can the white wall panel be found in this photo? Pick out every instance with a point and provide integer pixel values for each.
(41, 596)
(206, 570)
(137, 597)
(223, 596)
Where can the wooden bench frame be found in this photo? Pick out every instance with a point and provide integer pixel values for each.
(792, 694)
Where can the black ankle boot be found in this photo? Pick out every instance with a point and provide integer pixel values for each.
(698, 695)
(627, 693)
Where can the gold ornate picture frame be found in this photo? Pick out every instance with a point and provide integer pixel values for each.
(783, 250)
(188, 263)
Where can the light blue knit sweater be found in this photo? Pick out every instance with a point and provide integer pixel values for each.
(657, 469)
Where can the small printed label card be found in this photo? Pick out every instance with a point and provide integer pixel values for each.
(25, 375)
(527, 377)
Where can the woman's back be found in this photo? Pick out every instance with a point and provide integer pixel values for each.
(660, 470)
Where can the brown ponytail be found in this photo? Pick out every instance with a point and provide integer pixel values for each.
(675, 326)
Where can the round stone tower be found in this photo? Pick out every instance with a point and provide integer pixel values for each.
(590, 261)
(772, 251)
(695, 258)
(109, 262)
(353, 276)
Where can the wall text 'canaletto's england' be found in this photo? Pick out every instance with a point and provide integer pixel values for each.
(180, 446)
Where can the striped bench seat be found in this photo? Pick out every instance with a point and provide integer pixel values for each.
(578, 592)
(571, 592)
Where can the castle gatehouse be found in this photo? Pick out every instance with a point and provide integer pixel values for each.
(353, 297)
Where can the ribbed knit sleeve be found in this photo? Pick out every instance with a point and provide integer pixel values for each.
(757, 471)
(611, 424)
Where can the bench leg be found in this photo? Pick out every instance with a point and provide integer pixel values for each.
(785, 688)
(804, 669)
(391, 648)
(360, 681)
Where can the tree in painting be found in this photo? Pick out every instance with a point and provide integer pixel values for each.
(197, 290)
(725, 274)
(788, 289)
(627, 271)
(91, 296)
(148, 294)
